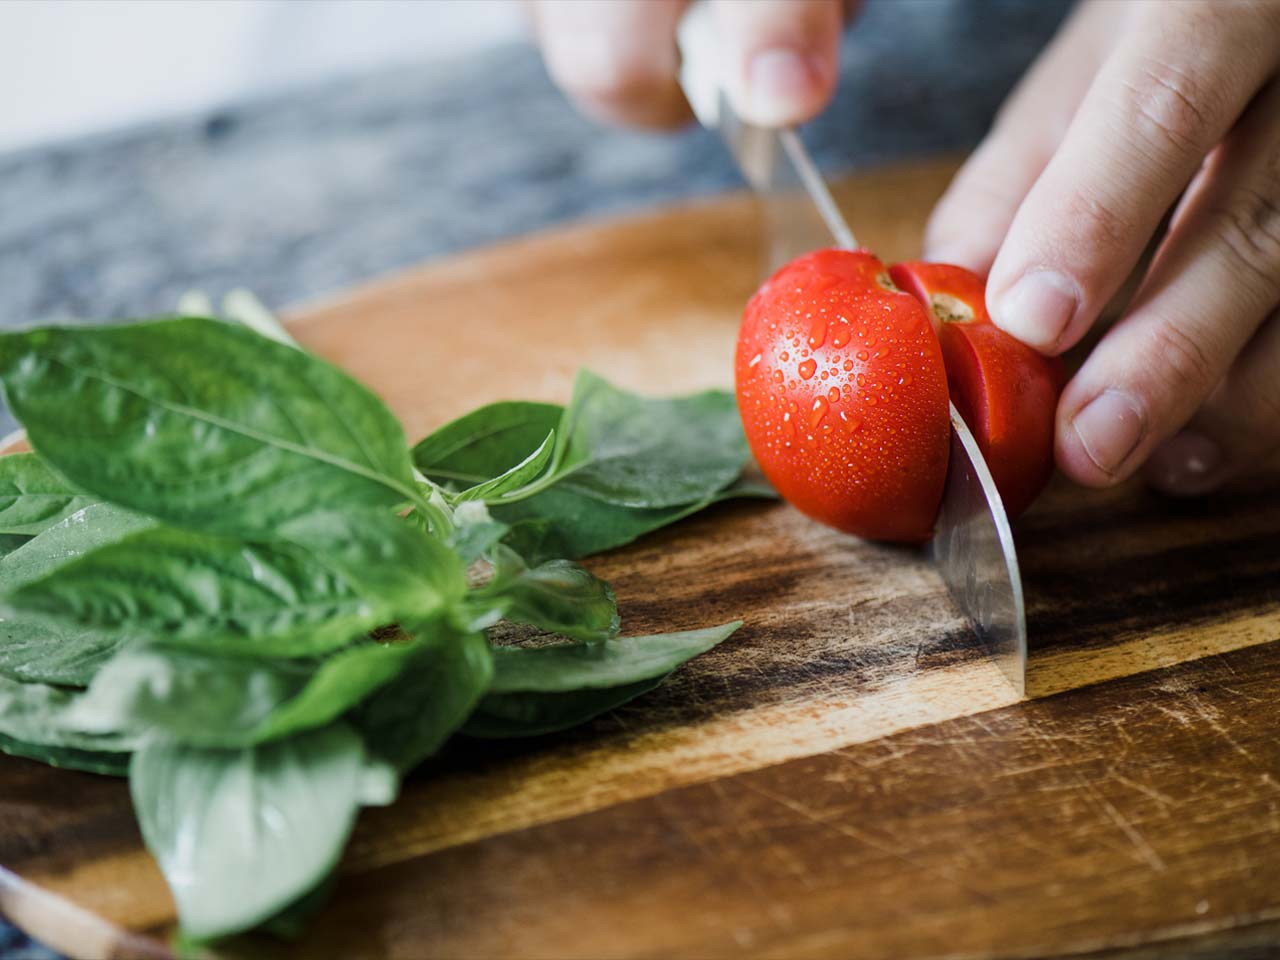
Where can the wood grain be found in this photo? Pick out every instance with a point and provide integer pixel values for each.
(848, 775)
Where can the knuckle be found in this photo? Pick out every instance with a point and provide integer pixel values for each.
(1249, 230)
(1180, 359)
(1173, 108)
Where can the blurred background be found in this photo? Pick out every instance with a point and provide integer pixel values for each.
(297, 147)
(81, 66)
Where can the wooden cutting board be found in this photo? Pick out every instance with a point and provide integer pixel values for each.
(848, 776)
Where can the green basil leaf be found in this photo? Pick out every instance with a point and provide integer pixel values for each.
(568, 667)
(518, 476)
(177, 585)
(505, 716)
(557, 596)
(36, 715)
(485, 443)
(475, 532)
(211, 700)
(68, 758)
(242, 834)
(33, 497)
(560, 522)
(410, 718)
(62, 653)
(409, 571)
(89, 529)
(202, 423)
(537, 690)
(649, 452)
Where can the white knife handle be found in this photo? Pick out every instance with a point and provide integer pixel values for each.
(701, 65)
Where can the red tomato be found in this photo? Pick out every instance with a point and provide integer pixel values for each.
(1005, 390)
(843, 396)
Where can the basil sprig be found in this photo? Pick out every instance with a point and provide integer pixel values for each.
(225, 573)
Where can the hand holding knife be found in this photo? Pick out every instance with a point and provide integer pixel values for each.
(973, 544)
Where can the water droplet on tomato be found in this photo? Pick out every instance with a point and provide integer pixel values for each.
(753, 361)
(862, 379)
(784, 356)
(778, 375)
(840, 336)
(848, 365)
(791, 405)
(806, 368)
(851, 421)
(818, 333)
(862, 355)
(788, 425)
(834, 394)
(826, 374)
(905, 380)
(817, 412)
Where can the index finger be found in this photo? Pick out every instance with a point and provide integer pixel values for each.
(1175, 84)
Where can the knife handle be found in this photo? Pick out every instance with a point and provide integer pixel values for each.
(701, 67)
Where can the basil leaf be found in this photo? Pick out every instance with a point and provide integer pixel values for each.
(163, 583)
(537, 690)
(649, 452)
(211, 700)
(33, 497)
(68, 758)
(61, 653)
(567, 667)
(36, 715)
(486, 442)
(475, 532)
(412, 573)
(202, 423)
(518, 476)
(508, 715)
(411, 717)
(242, 834)
(557, 596)
(560, 522)
(95, 526)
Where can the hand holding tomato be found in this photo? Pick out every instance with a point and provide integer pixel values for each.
(1135, 109)
(843, 373)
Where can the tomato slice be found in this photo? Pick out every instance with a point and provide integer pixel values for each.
(1005, 390)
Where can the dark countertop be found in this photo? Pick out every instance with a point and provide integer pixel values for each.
(304, 194)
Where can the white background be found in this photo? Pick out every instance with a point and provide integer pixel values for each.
(69, 67)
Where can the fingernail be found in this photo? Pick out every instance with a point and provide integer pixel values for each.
(780, 85)
(1110, 428)
(1037, 309)
(1186, 464)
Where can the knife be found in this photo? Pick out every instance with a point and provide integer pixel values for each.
(973, 545)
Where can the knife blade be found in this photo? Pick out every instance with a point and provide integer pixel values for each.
(973, 546)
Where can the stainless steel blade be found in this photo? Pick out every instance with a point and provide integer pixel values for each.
(973, 549)
(973, 543)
